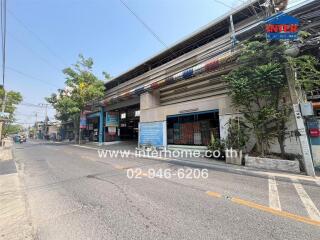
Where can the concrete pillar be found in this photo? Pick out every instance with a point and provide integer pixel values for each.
(149, 100)
(300, 125)
(152, 131)
(101, 125)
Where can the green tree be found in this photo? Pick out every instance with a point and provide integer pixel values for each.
(81, 86)
(12, 100)
(308, 74)
(257, 89)
(12, 129)
(237, 136)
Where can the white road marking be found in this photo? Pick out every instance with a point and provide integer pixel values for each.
(85, 147)
(308, 203)
(274, 201)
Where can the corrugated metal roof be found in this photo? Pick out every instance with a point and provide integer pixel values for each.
(197, 39)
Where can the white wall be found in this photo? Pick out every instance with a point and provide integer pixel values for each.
(151, 111)
(292, 144)
(160, 113)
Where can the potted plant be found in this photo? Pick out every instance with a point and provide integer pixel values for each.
(216, 146)
(236, 141)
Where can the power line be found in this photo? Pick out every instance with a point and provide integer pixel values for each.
(32, 51)
(228, 6)
(3, 36)
(144, 24)
(37, 37)
(27, 115)
(31, 77)
(21, 123)
(33, 105)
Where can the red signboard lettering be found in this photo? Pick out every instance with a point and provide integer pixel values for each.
(274, 28)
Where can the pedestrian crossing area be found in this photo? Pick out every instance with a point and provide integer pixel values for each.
(297, 194)
(300, 202)
(274, 201)
(293, 195)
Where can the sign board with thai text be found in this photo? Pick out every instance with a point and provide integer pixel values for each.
(112, 119)
(282, 27)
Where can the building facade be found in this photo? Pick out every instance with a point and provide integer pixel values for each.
(179, 96)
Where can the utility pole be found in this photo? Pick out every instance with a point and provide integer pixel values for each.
(301, 130)
(45, 105)
(3, 48)
(35, 135)
(2, 110)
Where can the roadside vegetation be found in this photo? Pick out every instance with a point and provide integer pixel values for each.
(259, 89)
(81, 86)
(12, 100)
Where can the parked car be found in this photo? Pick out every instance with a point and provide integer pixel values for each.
(23, 138)
(16, 138)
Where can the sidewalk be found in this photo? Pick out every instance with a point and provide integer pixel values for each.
(14, 223)
(202, 162)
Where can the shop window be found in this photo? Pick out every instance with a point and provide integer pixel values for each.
(192, 129)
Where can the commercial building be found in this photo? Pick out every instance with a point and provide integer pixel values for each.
(179, 97)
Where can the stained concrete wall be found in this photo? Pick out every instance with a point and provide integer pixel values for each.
(292, 144)
(152, 111)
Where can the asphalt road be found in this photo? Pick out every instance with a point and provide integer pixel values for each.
(73, 194)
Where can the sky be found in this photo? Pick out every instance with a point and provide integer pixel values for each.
(46, 36)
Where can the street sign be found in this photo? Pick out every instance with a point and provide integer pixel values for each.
(112, 119)
(83, 121)
(282, 27)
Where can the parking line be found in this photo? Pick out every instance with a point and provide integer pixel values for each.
(214, 194)
(274, 201)
(80, 146)
(266, 209)
(276, 212)
(307, 202)
(119, 167)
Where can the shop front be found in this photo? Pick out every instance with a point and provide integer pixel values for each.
(122, 123)
(129, 123)
(91, 133)
(193, 128)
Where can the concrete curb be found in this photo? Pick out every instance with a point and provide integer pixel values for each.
(6, 154)
(14, 218)
(242, 170)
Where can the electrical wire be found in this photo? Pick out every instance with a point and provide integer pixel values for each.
(28, 115)
(33, 105)
(156, 36)
(34, 53)
(3, 37)
(232, 8)
(44, 44)
(31, 77)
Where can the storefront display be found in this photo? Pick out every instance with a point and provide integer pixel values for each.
(192, 128)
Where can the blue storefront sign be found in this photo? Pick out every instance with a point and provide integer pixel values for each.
(152, 133)
(112, 119)
(83, 122)
(93, 115)
(282, 27)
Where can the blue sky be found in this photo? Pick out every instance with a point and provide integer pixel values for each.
(45, 36)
